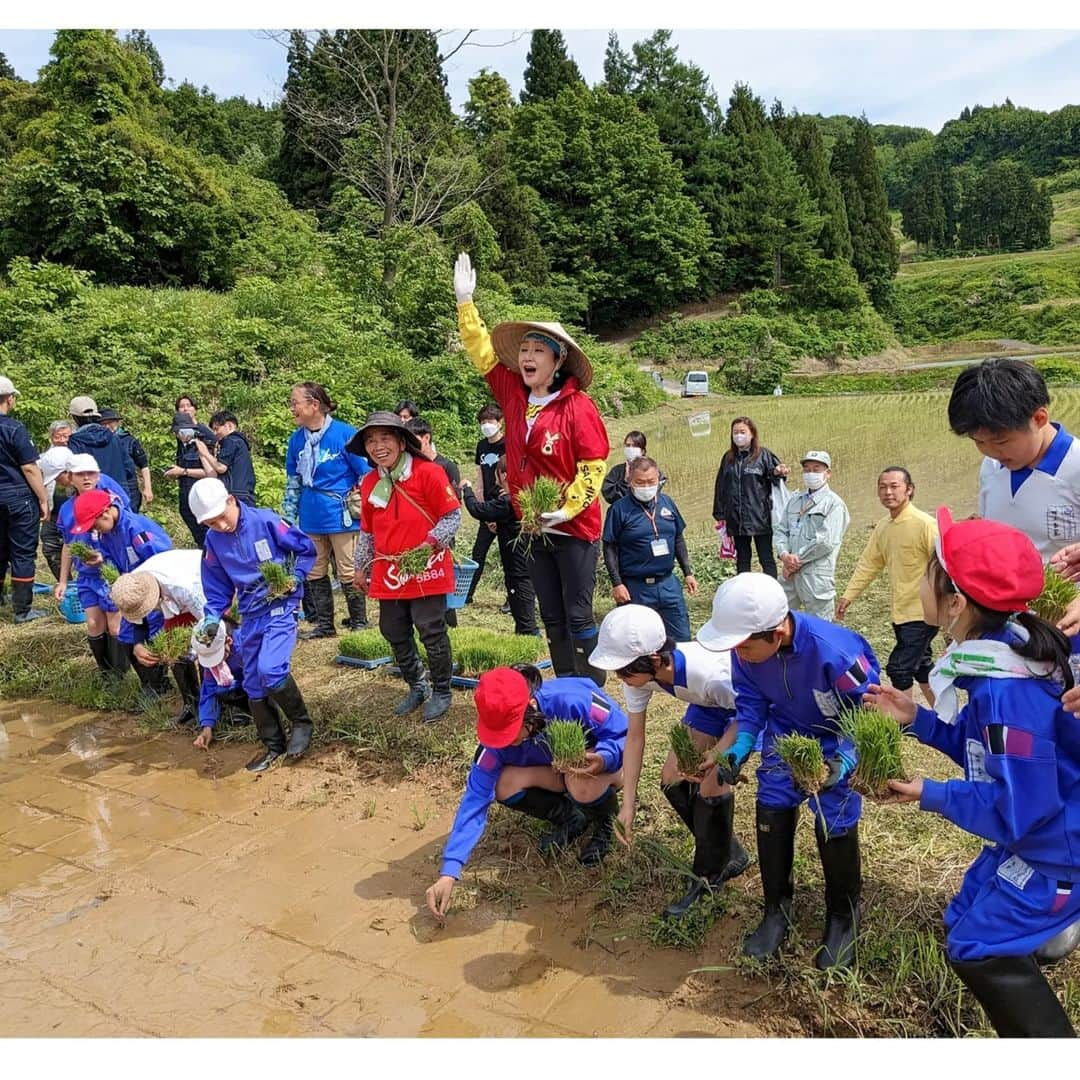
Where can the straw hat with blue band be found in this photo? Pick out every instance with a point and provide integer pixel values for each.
(506, 339)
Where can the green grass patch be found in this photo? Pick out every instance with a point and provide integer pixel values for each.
(364, 645)
(475, 649)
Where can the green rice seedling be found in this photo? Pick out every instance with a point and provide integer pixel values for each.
(877, 741)
(803, 756)
(413, 562)
(364, 645)
(81, 550)
(687, 753)
(171, 645)
(109, 572)
(542, 497)
(279, 582)
(1056, 596)
(477, 650)
(566, 741)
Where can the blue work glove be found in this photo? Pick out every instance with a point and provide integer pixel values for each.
(206, 629)
(839, 767)
(729, 764)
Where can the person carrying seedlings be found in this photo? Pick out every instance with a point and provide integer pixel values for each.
(743, 494)
(169, 583)
(808, 538)
(644, 534)
(513, 764)
(232, 462)
(221, 681)
(407, 505)
(901, 544)
(23, 506)
(124, 540)
(795, 673)
(499, 512)
(538, 374)
(635, 644)
(489, 449)
(1019, 747)
(617, 482)
(138, 483)
(240, 539)
(320, 471)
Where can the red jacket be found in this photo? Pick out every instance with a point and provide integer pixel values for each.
(568, 430)
(401, 526)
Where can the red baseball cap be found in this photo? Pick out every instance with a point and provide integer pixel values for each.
(995, 564)
(88, 508)
(501, 696)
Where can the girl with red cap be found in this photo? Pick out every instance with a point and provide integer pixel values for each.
(513, 764)
(1019, 903)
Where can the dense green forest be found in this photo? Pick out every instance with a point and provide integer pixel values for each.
(155, 238)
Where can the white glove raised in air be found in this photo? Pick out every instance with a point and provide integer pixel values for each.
(552, 518)
(464, 279)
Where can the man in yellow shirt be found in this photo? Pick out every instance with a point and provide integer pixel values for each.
(902, 544)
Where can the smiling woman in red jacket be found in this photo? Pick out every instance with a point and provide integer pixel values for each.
(538, 375)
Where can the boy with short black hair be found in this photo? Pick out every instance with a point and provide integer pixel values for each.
(1030, 475)
(489, 448)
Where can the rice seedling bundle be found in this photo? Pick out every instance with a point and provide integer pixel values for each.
(566, 741)
(542, 497)
(109, 572)
(278, 580)
(687, 754)
(476, 650)
(803, 757)
(364, 645)
(413, 562)
(1056, 596)
(171, 645)
(82, 551)
(877, 737)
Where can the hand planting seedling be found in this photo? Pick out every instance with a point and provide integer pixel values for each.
(109, 573)
(169, 646)
(543, 496)
(689, 757)
(566, 741)
(82, 551)
(803, 757)
(1056, 596)
(876, 736)
(413, 562)
(279, 582)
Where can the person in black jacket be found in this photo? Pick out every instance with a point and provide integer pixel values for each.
(519, 586)
(489, 449)
(92, 437)
(188, 467)
(742, 497)
(232, 463)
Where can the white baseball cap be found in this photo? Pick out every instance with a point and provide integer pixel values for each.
(83, 407)
(83, 463)
(7, 387)
(212, 654)
(207, 498)
(747, 604)
(626, 633)
(55, 460)
(817, 455)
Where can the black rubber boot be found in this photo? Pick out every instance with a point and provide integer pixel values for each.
(322, 600)
(307, 605)
(557, 808)
(268, 725)
(682, 795)
(776, 857)
(99, 650)
(582, 650)
(1016, 997)
(713, 817)
(153, 683)
(235, 707)
(186, 675)
(441, 667)
(1059, 946)
(356, 603)
(118, 657)
(412, 671)
(561, 651)
(602, 815)
(22, 600)
(843, 885)
(290, 701)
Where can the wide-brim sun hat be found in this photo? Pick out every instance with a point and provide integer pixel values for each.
(746, 604)
(135, 595)
(506, 339)
(382, 419)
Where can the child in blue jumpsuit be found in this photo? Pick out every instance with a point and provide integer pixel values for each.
(125, 540)
(219, 661)
(240, 539)
(1020, 751)
(513, 764)
(794, 672)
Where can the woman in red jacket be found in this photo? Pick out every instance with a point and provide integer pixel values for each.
(538, 375)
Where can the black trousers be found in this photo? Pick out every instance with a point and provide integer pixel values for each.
(912, 659)
(481, 546)
(19, 519)
(52, 544)
(519, 586)
(428, 615)
(563, 573)
(763, 543)
(198, 532)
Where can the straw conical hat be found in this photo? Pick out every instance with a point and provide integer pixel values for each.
(506, 340)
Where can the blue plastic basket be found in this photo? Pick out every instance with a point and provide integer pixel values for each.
(42, 590)
(70, 607)
(464, 572)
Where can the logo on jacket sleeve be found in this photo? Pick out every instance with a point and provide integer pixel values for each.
(550, 439)
(855, 676)
(599, 710)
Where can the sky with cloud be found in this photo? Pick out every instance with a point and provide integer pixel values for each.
(917, 77)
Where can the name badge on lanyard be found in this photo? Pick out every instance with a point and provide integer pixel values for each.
(660, 546)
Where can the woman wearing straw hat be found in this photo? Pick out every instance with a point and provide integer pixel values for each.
(538, 375)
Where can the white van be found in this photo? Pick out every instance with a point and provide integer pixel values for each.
(695, 384)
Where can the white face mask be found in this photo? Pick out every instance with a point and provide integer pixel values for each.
(741, 439)
(185, 433)
(646, 494)
(814, 480)
(631, 452)
(489, 429)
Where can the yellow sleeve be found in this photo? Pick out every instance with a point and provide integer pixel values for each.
(585, 486)
(870, 564)
(475, 338)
